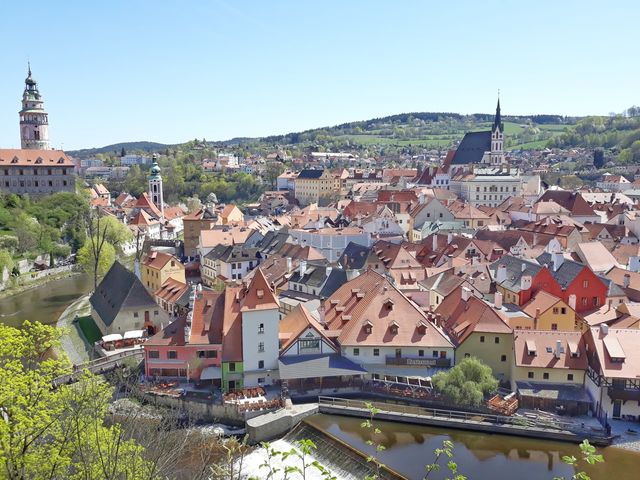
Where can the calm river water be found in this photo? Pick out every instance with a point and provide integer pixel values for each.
(479, 456)
(45, 303)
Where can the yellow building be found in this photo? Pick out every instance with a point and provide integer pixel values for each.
(548, 312)
(549, 371)
(157, 267)
(477, 329)
(310, 186)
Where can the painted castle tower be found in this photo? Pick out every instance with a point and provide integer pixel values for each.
(34, 121)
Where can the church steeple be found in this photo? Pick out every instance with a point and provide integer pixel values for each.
(34, 121)
(497, 122)
(155, 186)
(497, 139)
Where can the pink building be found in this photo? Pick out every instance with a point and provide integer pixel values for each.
(191, 346)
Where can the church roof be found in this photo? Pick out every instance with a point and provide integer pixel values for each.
(497, 122)
(472, 148)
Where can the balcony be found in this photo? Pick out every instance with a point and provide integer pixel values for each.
(416, 361)
(623, 394)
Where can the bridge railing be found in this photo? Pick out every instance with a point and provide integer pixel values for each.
(98, 364)
(411, 410)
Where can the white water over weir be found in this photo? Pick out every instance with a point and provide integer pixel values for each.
(341, 461)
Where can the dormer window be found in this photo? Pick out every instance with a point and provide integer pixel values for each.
(393, 327)
(39, 160)
(368, 326)
(260, 293)
(422, 326)
(388, 303)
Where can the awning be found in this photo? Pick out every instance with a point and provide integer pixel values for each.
(133, 334)
(210, 373)
(315, 366)
(114, 337)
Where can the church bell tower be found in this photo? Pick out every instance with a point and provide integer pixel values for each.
(155, 186)
(34, 121)
(497, 139)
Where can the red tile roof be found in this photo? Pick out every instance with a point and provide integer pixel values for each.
(546, 347)
(28, 158)
(258, 295)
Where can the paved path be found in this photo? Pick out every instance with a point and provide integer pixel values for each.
(73, 343)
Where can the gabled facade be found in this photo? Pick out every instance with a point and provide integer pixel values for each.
(157, 267)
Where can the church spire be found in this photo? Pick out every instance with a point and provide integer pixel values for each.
(497, 122)
(34, 120)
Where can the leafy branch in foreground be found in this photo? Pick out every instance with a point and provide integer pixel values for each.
(368, 424)
(445, 451)
(589, 456)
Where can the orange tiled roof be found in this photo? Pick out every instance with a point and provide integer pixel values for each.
(28, 158)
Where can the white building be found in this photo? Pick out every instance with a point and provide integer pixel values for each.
(331, 242)
(260, 329)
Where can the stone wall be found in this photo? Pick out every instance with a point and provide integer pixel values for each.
(274, 424)
(204, 411)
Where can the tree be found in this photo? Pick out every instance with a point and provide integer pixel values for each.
(466, 383)
(98, 253)
(96, 257)
(122, 152)
(598, 158)
(59, 432)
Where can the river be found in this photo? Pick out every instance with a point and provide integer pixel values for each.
(44, 303)
(479, 456)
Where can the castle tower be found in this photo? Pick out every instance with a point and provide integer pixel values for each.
(34, 121)
(155, 186)
(497, 139)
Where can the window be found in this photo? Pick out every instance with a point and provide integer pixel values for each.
(261, 328)
(545, 375)
(261, 347)
(497, 340)
(135, 314)
(595, 301)
(556, 310)
(232, 367)
(435, 354)
(309, 343)
(261, 381)
(172, 354)
(563, 310)
(585, 284)
(467, 355)
(554, 326)
(570, 377)
(398, 352)
(154, 354)
(376, 352)
(356, 352)
(421, 353)
(481, 338)
(530, 375)
(207, 354)
(503, 358)
(584, 301)
(261, 364)
(155, 313)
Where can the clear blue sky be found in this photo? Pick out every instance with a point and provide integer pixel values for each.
(169, 71)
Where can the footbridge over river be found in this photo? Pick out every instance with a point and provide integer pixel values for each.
(510, 425)
(101, 365)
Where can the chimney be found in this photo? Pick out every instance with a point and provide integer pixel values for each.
(537, 313)
(572, 301)
(604, 329)
(328, 271)
(289, 264)
(627, 280)
(449, 238)
(525, 282)
(558, 260)
(558, 348)
(321, 313)
(501, 273)
(303, 267)
(434, 242)
(497, 301)
(523, 267)
(466, 293)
